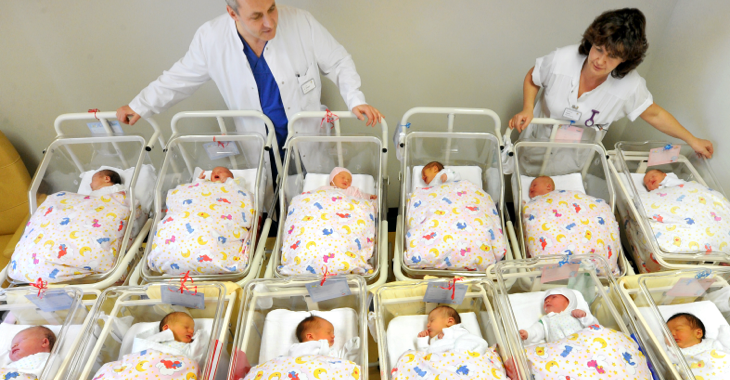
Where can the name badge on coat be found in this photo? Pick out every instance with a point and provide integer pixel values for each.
(571, 114)
(308, 86)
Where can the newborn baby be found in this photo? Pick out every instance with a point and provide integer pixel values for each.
(106, 182)
(688, 332)
(562, 318)
(655, 179)
(434, 170)
(541, 186)
(30, 349)
(317, 336)
(219, 174)
(444, 332)
(341, 178)
(177, 336)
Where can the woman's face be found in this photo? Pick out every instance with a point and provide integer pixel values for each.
(600, 62)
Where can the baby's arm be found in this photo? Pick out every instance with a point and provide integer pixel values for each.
(584, 318)
(351, 349)
(422, 340)
(533, 334)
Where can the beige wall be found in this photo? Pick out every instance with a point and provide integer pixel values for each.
(59, 57)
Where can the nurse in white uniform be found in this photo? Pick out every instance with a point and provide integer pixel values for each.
(262, 57)
(595, 83)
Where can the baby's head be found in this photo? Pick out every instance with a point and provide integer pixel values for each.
(653, 178)
(430, 170)
(181, 325)
(557, 300)
(220, 174)
(687, 330)
(104, 178)
(440, 318)
(340, 178)
(541, 186)
(315, 328)
(31, 341)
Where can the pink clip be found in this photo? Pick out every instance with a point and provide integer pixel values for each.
(326, 273)
(41, 286)
(94, 110)
(329, 118)
(452, 286)
(185, 278)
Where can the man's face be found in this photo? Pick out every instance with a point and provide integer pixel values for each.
(257, 19)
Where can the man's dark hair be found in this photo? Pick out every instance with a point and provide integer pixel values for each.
(693, 321)
(623, 33)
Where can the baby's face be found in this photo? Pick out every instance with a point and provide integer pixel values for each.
(323, 330)
(540, 186)
(653, 178)
(220, 174)
(98, 180)
(437, 322)
(182, 327)
(555, 303)
(428, 174)
(683, 333)
(342, 180)
(28, 343)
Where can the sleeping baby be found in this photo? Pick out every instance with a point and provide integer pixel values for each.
(562, 318)
(688, 332)
(434, 174)
(341, 178)
(317, 336)
(541, 186)
(657, 179)
(30, 350)
(106, 182)
(444, 332)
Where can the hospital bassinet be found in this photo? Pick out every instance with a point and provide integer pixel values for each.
(474, 155)
(401, 313)
(69, 163)
(653, 298)
(521, 286)
(272, 309)
(364, 156)
(67, 322)
(628, 165)
(553, 158)
(126, 311)
(190, 153)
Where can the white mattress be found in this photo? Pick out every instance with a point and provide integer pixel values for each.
(143, 191)
(527, 307)
(204, 324)
(573, 181)
(638, 179)
(402, 332)
(364, 182)
(472, 174)
(706, 311)
(248, 176)
(280, 329)
(8, 332)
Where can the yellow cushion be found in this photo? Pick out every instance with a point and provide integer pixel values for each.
(5, 241)
(13, 187)
(14, 239)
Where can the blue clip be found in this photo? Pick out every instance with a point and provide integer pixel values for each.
(564, 261)
(668, 147)
(407, 125)
(703, 274)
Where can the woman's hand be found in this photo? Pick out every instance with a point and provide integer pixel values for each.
(521, 120)
(702, 147)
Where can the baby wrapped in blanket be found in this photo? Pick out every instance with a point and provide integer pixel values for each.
(206, 228)
(568, 342)
(29, 352)
(707, 358)
(72, 235)
(446, 350)
(174, 353)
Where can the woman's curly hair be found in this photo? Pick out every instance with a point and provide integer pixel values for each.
(623, 33)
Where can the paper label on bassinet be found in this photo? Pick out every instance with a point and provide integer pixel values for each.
(97, 128)
(567, 132)
(52, 300)
(172, 295)
(690, 287)
(660, 156)
(220, 149)
(441, 292)
(552, 273)
(333, 287)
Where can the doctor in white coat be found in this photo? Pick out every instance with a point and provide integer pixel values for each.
(262, 57)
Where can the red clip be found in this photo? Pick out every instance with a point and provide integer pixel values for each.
(329, 118)
(183, 280)
(94, 110)
(41, 286)
(452, 286)
(326, 273)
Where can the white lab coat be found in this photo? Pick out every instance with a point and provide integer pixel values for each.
(456, 338)
(301, 49)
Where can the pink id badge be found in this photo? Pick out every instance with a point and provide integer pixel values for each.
(690, 287)
(552, 273)
(568, 132)
(665, 155)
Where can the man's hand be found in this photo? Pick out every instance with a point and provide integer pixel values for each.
(126, 115)
(366, 111)
(523, 334)
(577, 313)
(423, 333)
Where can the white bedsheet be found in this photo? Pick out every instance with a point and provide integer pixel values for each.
(472, 174)
(281, 324)
(706, 311)
(527, 307)
(143, 191)
(573, 181)
(8, 332)
(205, 324)
(364, 182)
(402, 332)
